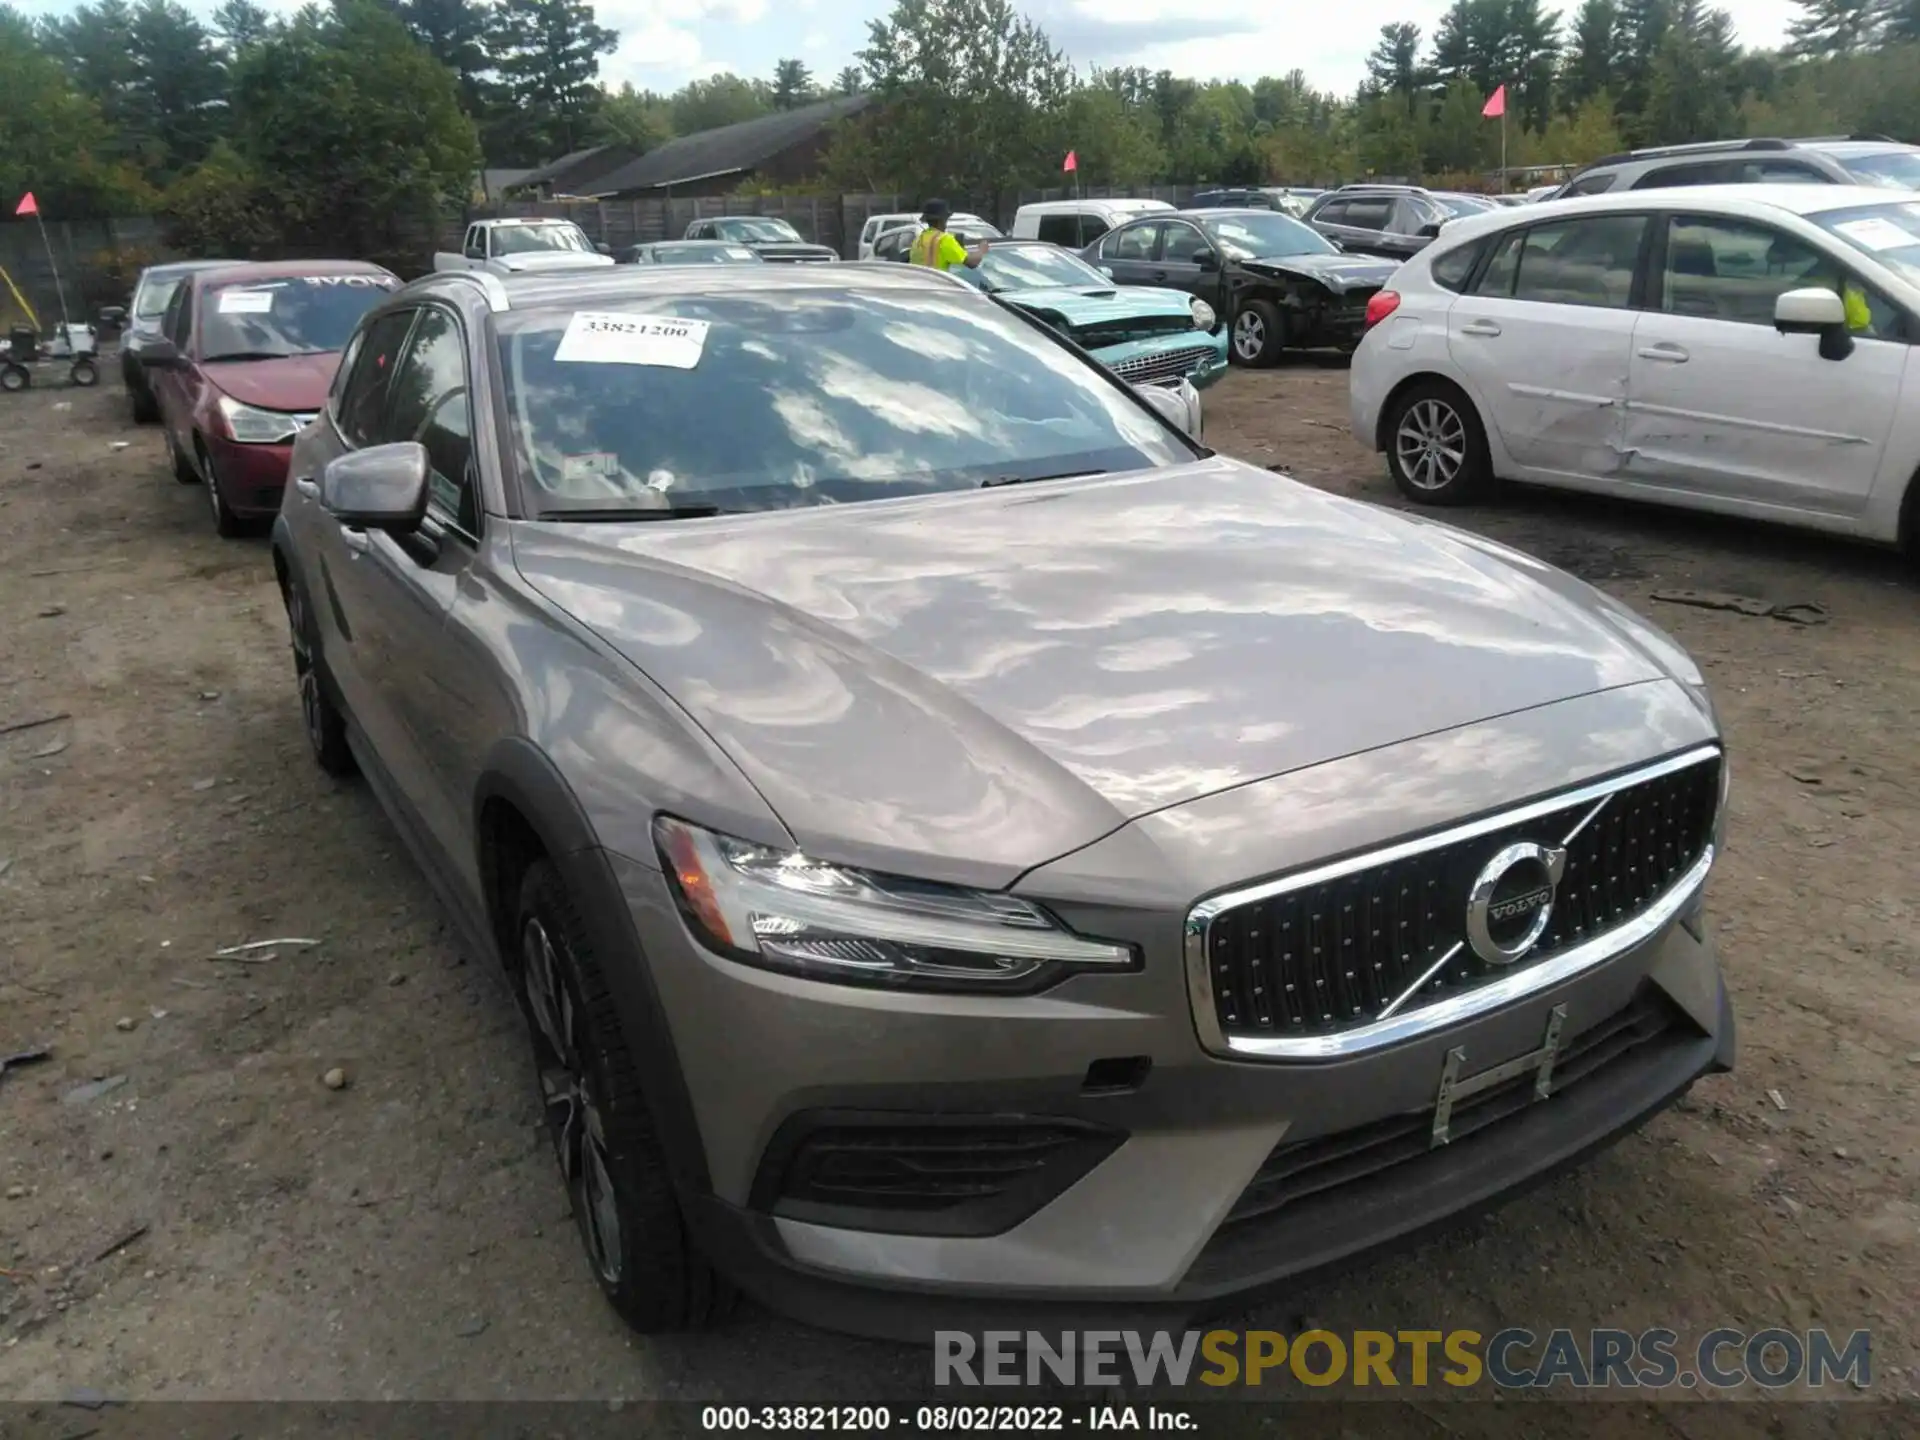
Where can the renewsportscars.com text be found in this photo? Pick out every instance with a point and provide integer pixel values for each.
(1508, 1359)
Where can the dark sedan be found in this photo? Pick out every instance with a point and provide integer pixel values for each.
(151, 293)
(1278, 284)
(690, 252)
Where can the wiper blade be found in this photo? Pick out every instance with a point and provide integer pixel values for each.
(1030, 479)
(250, 355)
(652, 512)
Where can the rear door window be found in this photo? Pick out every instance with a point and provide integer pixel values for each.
(1132, 242)
(1576, 262)
(1060, 230)
(1369, 214)
(1591, 185)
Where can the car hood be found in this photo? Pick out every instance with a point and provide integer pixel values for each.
(297, 383)
(969, 685)
(1085, 307)
(1339, 273)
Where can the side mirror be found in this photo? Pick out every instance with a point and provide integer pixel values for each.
(1107, 270)
(604, 249)
(1178, 405)
(1815, 310)
(1207, 260)
(383, 487)
(1429, 231)
(158, 354)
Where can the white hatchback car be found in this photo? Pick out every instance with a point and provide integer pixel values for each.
(1749, 349)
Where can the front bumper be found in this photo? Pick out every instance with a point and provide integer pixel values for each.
(252, 477)
(1197, 356)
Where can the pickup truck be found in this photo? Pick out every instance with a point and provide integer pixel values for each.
(516, 245)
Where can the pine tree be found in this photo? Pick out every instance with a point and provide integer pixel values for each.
(547, 54)
(1394, 66)
(850, 81)
(456, 33)
(793, 85)
(1836, 27)
(1593, 54)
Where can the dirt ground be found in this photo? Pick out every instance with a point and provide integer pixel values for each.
(189, 1212)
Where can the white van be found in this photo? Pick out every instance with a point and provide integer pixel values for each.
(1074, 223)
(878, 225)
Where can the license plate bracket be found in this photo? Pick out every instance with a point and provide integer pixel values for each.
(1454, 1089)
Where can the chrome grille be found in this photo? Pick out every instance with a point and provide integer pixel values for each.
(1168, 365)
(1332, 950)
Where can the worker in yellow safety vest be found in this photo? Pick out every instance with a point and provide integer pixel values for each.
(935, 248)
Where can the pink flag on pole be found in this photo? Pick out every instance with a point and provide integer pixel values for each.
(1496, 104)
(28, 205)
(1072, 162)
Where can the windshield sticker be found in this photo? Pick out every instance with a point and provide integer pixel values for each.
(245, 302)
(1877, 234)
(597, 338)
(377, 282)
(580, 467)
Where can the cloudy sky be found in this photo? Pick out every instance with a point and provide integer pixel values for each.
(664, 43)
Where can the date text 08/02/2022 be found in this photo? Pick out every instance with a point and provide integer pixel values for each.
(939, 1419)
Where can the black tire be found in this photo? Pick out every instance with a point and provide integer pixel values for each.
(326, 727)
(1441, 458)
(637, 1243)
(84, 373)
(14, 378)
(183, 470)
(146, 410)
(226, 524)
(1258, 335)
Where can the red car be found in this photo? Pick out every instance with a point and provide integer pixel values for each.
(244, 359)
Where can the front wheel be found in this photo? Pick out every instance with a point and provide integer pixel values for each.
(1436, 447)
(14, 378)
(603, 1135)
(226, 524)
(326, 727)
(84, 373)
(1259, 334)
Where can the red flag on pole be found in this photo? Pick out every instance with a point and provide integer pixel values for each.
(1072, 162)
(28, 205)
(1496, 104)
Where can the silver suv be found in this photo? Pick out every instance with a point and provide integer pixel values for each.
(1828, 160)
(965, 851)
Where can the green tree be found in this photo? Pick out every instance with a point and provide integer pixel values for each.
(347, 135)
(637, 120)
(718, 100)
(240, 24)
(1461, 139)
(1688, 95)
(457, 34)
(1394, 66)
(1388, 141)
(53, 139)
(1113, 143)
(1836, 27)
(850, 81)
(547, 55)
(792, 85)
(971, 94)
(1592, 53)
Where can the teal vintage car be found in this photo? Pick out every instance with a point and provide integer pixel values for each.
(1142, 334)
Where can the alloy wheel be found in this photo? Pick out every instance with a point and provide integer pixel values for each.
(573, 1114)
(1431, 444)
(1249, 335)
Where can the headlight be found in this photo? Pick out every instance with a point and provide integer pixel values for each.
(782, 911)
(258, 427)
(1203, 316)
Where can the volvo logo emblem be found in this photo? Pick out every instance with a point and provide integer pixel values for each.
(1511, 902)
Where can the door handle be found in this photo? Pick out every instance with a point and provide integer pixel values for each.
(1671, 354)
(1159, 274)
(1480, 327)
(355, 539)
(307, 486)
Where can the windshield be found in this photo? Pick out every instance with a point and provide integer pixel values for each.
(1037, 267)
(827, 397)
(703, 255)
(288, 315)
(154, 295)
(1248, 237)
(1889, 233)
(759, 231)
(1897, 169)
(1459, 205)
(531, 239)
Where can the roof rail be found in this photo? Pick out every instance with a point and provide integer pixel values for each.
(1836, 139)
(488, 282)
(1703, 147)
